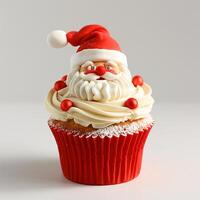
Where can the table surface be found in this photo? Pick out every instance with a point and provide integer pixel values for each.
(29, 165)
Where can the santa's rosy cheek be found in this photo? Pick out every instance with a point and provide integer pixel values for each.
(111, 71)
(90, 71)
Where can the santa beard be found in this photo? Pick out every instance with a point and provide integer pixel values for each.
(88, 87)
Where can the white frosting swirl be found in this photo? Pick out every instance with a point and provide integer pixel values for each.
(100, 114)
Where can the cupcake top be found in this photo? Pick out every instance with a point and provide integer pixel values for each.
(99, 91)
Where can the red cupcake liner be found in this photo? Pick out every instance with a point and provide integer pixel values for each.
(100, 160)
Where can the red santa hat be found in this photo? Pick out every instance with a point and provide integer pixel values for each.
(94, 41)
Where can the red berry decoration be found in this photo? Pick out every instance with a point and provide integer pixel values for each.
(137, 80)
(131, 103)
(66, 104)
(59, 85)
(100, 70)
(64, 78)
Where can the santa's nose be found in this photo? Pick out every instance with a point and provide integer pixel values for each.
(100, 70)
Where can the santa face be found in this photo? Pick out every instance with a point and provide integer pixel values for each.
(102, 70)
(100, 81)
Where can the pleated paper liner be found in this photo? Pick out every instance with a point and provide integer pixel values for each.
(100, 160)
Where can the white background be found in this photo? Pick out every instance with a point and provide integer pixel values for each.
(161, 41)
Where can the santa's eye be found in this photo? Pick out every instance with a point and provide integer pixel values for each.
(91, 67)
(108, 67)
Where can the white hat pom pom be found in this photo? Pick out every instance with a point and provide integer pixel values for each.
(57, 39)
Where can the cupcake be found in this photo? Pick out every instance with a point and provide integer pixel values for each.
(99, 113)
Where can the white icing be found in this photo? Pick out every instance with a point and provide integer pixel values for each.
(100, 114)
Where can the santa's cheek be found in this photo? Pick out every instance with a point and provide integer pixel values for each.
(111, 71)
(89, 71)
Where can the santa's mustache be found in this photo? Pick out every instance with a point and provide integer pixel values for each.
(107, 76)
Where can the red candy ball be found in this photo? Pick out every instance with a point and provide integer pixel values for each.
(66, 104)
(59, 85)
(131, 103)
(64, 78)
(137, 80)
(100, 70)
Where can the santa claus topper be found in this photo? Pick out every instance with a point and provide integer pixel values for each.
(96, 55)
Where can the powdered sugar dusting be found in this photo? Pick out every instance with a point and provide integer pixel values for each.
(113, 130)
